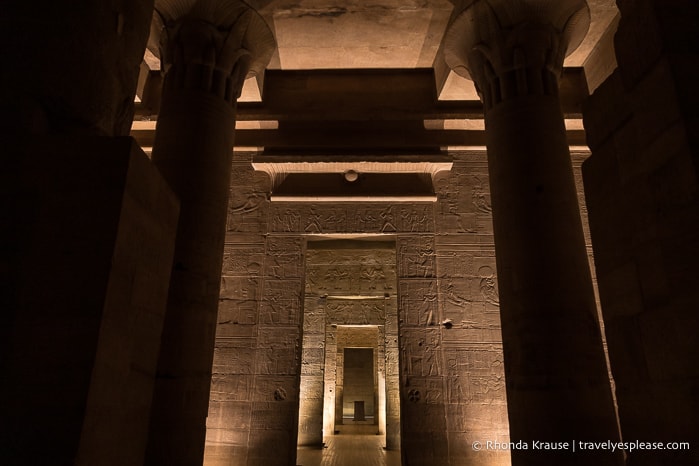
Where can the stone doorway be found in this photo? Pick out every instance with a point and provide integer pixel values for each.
(349, 344)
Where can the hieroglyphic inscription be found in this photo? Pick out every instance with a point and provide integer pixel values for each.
(303, 218)
(358, 272)
(355, 311)
(281, 302)
(416, 256)
(475, 374)
(278, 350)
(442, 280)
(235, 312)
(421, 352)
(242, 260)
(234, 356)
(249, 200)
(283, 258)
(418, 303)
(464, 198)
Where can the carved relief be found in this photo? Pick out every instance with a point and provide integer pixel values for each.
(286, 220)
(232, 360)
(278, 350)
(237, 312)
(481, 197)
(242, 261)
(418, 302)
(230, 387)
(437, 368)
(421, 353)
(488, 285)
(284, 258)
(281, 303)
(240, 288)
(417, 257)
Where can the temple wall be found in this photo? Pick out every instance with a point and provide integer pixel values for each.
(439, 322)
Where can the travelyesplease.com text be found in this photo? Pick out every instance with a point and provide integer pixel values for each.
(578, 445)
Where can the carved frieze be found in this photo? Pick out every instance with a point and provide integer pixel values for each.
(302, 218)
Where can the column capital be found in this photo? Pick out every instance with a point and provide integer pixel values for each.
(211, 45)
(512, 48)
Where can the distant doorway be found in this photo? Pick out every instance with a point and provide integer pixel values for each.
(359, 386)
(349, 376)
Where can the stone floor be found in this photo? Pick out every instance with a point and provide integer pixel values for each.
(355, 445)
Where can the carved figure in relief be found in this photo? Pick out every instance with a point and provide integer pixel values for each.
(270, 360)
(312, 322)
(373, 274)
(271, 306)
(423, 262)
(460, 226)
(488, 285)
(489, 385)
(334, 219)
(335, 276)
(387, 216)
(479, 198)
(287, 222)
(365, 219)
(454, 391)
(431, 364)
(413, 220)
(374, 310)
(253, 202)
(275, 266)
(337, 312)
(429, 299)
(314, 222)
(240, 364)
(410, 219)
(453, 297)
(311, 279)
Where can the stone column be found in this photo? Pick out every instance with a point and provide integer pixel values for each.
(207, 50)
(642, 193)
(86, 236)
(558, 387)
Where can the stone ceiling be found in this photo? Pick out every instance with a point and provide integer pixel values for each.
(379, 34)
(314, 34)
(346, 34)
(371, 43)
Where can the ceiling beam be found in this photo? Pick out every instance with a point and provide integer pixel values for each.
(355, 140)
(370, 95)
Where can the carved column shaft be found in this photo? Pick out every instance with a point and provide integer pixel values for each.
(205, 65)
(557, 382)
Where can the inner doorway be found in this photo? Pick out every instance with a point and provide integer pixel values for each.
(349, 375)
(359, 390)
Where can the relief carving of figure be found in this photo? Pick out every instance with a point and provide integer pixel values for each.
(426, 307)
(288, 222)
(314, 222)
(387, 216)
(453, 297)
(488, 285)
(480, 199)
(253, 202)
(430, 361)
